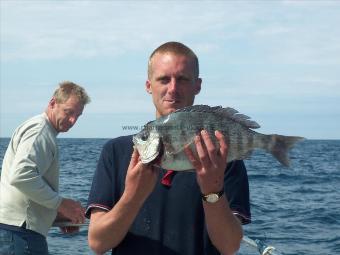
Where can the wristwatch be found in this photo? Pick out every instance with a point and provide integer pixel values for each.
(212, 197)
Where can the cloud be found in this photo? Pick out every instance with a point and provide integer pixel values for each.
(277, 55)
(85, 30)
(53, 29)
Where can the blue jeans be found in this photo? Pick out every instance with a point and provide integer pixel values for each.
(22, 242)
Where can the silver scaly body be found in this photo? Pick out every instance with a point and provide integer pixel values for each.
(167, 136)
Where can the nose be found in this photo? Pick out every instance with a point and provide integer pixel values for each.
(172, 87)
(72, 120)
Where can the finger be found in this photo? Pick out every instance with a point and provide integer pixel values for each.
(210, 146)
(80, 215)
(72, 229)
(143, 167)
(82, 219)
(223, 145)
(201, 151)
(78, 220)
(63, 230)
(134, 158)
(135, 155)
(83, 215)
(192, 158)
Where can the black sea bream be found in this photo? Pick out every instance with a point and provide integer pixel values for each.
(166, 137)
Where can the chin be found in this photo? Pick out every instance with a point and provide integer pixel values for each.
(170, 110)
(65, 129)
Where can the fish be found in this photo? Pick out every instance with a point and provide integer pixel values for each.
(162, 141)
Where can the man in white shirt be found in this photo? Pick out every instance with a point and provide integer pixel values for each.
(29, 197)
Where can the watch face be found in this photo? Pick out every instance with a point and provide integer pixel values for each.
(212, 198)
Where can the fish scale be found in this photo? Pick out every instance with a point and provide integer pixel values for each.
(165, 138)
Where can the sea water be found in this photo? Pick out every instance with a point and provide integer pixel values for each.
(296, 209)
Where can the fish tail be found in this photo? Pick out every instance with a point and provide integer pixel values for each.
(280, 145)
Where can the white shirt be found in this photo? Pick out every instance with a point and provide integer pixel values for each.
(30, 176)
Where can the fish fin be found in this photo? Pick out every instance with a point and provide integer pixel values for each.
(147, 124)
(199, 108)
(280, 145)
(227, 112)
(247, 154)
(245, 120)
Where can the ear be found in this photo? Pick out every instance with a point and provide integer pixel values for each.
(52, 103)
(198, 86)
(148, 86)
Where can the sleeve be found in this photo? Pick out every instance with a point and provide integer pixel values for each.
(237, 190)
(101, 189)
(33, 158)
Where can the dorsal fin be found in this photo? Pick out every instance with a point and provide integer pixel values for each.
(227, 112)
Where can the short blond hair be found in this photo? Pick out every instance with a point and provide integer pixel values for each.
(66, 89)
(175, 48)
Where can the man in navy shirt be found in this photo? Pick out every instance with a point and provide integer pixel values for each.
(139, 209)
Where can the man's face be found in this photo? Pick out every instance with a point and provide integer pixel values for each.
(64, 115)
(173, 83)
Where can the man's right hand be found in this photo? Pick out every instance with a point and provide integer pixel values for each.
(140, 179)
(108, 228)
(72, 210)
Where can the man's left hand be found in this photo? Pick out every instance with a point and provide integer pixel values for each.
(210, 161)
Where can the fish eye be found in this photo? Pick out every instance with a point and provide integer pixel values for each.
(144, 137)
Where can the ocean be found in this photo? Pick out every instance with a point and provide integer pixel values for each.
(296, 209)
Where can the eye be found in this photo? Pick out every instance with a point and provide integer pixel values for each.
(183, 79)
(164, 79)
(68, 112)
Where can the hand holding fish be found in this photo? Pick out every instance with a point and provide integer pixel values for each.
(210, 162)
(140, 178)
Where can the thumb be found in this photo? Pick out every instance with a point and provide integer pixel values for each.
(134, 157)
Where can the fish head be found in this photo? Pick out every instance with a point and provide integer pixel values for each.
(149, 145)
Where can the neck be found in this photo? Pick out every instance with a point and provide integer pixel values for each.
(50, 119)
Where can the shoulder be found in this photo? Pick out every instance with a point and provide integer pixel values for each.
(33, 125)
(121, 140)
(118, 146)
(119, 143)
(35, 129)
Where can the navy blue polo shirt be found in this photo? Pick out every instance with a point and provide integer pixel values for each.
(171, 221)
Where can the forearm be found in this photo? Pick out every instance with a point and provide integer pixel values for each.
(108, 229)
(224, 229)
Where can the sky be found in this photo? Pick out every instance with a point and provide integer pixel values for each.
(275, 61)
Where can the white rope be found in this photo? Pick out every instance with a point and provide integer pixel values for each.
(261, 247)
